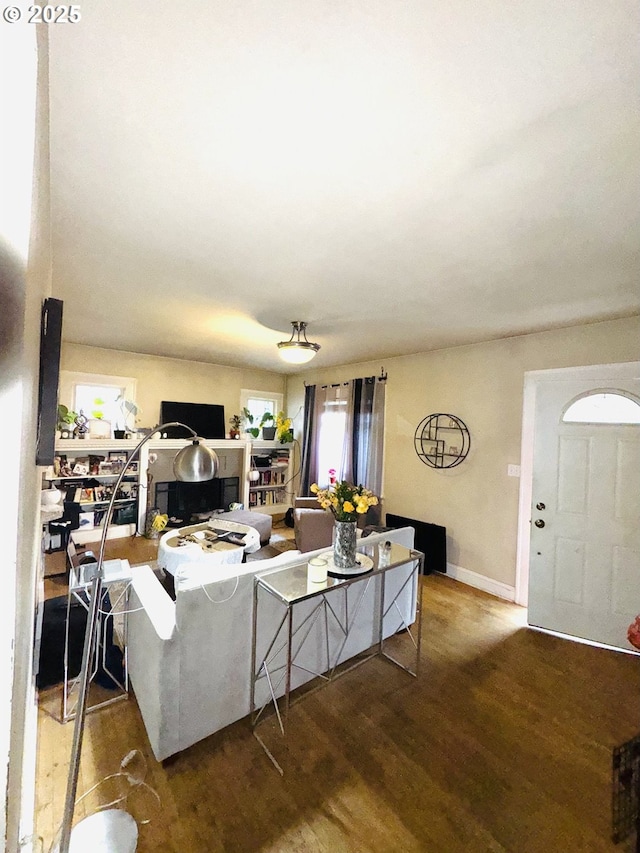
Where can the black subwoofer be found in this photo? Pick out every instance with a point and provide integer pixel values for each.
(431, 539)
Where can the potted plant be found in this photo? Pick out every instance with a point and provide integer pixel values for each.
(248, 423)
(268, 432)
(65, 418)
(235, 421)
(129, 410)
(345, 501)
(255, 430)
(284, 432)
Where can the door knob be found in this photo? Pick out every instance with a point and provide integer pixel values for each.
(540, 506)
(539, 522)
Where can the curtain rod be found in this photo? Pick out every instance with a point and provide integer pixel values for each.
(381, 378)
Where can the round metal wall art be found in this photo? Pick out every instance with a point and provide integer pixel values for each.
(442, 440)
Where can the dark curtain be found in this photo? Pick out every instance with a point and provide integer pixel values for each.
(364, 442)
(363, 391)
(307, 475)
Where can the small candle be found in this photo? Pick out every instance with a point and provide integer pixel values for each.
(384, 553)
(317, 570)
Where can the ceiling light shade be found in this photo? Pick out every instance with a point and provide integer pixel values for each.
(195, 463)
(298, 350)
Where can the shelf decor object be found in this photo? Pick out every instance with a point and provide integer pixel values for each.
(317, 570)
(442, 440)
(193, 464)
(344, 544)
(298, 350)
(345, 501)
(361, 565)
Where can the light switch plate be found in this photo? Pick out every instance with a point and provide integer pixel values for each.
(513, 470)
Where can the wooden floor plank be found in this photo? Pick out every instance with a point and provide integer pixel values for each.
(502, 744)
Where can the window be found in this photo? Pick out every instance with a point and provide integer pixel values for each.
(83, 391)
(259, 402)
(603, 407)
(332, 430)
(344, 434)
(97, 401)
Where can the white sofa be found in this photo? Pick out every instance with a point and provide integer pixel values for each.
(190, 659)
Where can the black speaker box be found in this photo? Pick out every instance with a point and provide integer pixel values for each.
(431, 539)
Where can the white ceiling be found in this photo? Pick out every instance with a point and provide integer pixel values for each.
(402, 175)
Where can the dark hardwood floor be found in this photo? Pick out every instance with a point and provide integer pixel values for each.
(503, 744)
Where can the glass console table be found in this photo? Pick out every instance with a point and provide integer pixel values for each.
(324, 630)
(111, 625)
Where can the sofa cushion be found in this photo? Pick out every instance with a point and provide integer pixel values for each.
(260, 521)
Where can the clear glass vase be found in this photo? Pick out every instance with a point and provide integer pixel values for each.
(344, 544)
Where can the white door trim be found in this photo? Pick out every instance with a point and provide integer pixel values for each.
(623, 370)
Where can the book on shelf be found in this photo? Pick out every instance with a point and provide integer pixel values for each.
(267, 497)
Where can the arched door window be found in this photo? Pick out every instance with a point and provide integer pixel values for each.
(603, 407)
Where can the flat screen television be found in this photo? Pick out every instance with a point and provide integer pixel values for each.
(206, 419)
(50, 342)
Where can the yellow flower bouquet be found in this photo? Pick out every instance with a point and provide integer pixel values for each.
(344, 500)
(284, 433)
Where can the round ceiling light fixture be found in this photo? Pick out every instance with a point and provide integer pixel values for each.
(298, 350)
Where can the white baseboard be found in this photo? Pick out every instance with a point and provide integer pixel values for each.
(501, 590)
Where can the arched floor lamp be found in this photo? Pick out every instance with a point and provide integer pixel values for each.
(115, 830)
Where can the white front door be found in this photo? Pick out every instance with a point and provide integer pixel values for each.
(584, 570)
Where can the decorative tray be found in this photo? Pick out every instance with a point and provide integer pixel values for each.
(364, 565)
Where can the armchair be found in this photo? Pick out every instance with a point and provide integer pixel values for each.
(312, 525)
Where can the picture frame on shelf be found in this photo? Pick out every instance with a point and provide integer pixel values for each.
(133, 467)
(117, 459)
(86, 520)
(103, 493)
(87, 495)
(61, 466)
(127, 491)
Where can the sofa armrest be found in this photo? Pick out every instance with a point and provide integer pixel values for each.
(154, 662)
(156, 601)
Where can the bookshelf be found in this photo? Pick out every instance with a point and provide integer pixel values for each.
(270, 477)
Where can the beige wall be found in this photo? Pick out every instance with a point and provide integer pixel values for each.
(477, 502)
(24, 282)
(171, 379)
